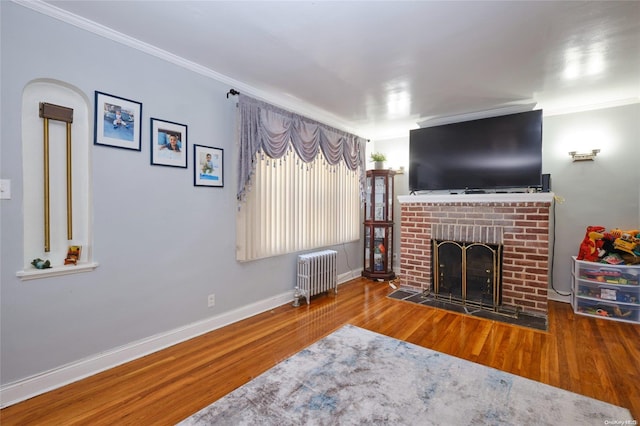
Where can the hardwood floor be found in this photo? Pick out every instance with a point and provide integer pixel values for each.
(592, 357)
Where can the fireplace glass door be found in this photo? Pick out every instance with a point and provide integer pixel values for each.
(467, 273)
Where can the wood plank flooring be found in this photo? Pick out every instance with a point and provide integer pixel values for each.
(592, 357)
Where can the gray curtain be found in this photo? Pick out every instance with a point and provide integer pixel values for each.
(273, 131)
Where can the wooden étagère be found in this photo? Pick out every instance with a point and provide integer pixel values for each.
(378, 225)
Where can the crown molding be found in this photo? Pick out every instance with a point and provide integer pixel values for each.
(549, 112)
(476, 115)
(287, 103)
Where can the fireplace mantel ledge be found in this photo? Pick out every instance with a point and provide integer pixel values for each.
(478, 198)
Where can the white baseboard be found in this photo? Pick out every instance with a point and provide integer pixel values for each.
(348, 276)
(29, 387)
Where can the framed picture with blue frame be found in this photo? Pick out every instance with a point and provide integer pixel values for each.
(168, 143)
(117, 122)
(208, 166)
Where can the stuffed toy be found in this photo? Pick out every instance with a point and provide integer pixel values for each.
(591, 246)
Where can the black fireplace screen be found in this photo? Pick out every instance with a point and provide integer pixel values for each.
(467, 273)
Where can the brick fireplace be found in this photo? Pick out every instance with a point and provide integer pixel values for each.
(522, 218)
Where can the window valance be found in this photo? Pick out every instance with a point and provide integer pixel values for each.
(273, 131)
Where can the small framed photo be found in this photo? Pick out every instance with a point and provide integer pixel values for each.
(208, 166)
(168, 143)
(117, 122)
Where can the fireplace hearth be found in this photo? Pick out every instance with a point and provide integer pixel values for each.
(502, 315)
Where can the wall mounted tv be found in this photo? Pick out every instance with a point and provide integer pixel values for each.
(494, 153)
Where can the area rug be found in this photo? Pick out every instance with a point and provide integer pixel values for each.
(515, 318)
(357, 377)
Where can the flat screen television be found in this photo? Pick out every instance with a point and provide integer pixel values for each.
(494, 153)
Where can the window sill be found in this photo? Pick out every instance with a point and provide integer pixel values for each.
(56, 271)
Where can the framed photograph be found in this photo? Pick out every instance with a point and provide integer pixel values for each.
(117, 122)
(208, 165)
(168, 143)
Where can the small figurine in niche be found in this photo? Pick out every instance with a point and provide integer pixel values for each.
(73, 255)
(41, 264)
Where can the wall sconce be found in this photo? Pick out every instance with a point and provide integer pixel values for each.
(584, 157)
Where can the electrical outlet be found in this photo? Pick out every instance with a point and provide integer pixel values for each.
(211, 300)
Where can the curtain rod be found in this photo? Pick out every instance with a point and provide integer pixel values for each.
(232, 92)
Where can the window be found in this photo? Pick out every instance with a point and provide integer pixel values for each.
(294, 206)
(300, 183)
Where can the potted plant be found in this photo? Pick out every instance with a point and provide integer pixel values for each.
(379, 159)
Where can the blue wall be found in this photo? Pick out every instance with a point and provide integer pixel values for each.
(163, 245)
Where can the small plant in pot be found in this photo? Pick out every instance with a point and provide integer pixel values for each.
(378, 159)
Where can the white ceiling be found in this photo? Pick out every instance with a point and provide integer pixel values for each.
(378, 67)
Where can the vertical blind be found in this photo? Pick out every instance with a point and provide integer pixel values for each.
(292, 207)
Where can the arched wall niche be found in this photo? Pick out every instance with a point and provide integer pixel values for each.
(33, 171)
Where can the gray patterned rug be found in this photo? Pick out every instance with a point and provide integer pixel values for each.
(357, 377)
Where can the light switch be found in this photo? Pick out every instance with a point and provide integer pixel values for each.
(5, 189)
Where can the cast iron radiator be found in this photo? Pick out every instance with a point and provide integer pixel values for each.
(317, 273)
